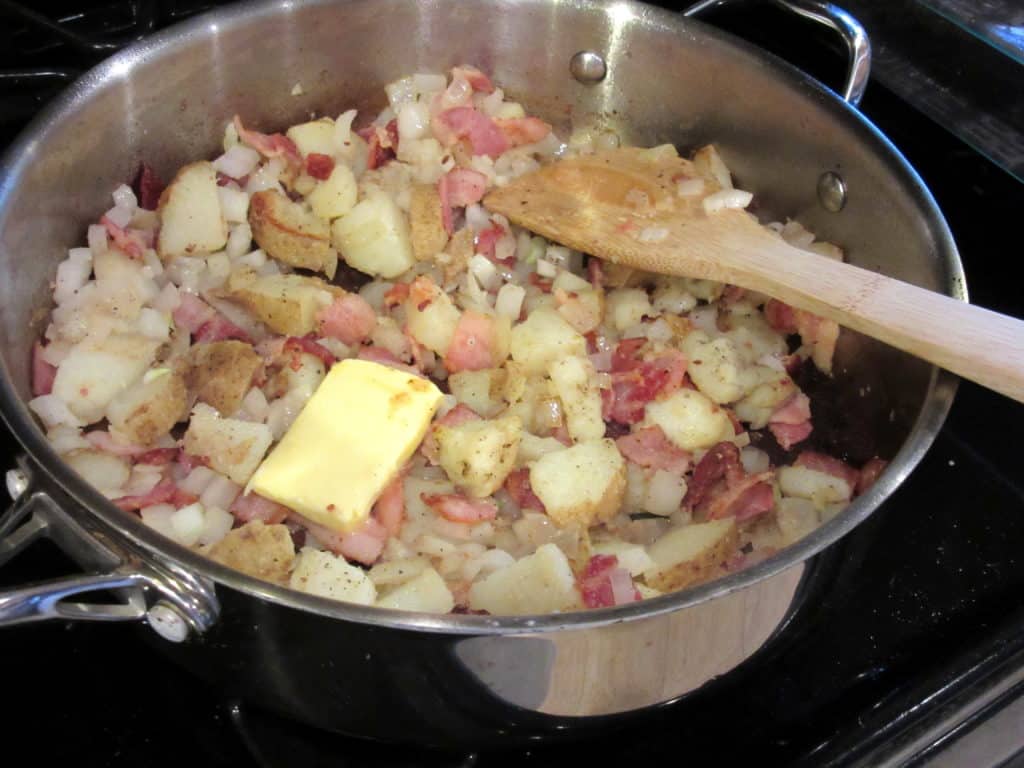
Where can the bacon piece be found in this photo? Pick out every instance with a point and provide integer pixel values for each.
(477, 80)
(460, 509)
(650, 448)
(188, 461)
(349, 318)
(269, 145)
(363, 545)
(307, 345)
(460, 414)
(780, 316)
(523, 130)
(396, 294)
(816, 332)
(192, 313)
(158, 457)
(603, 583)
(744, 499)
(457, 189)
(219, 328)
(518, 486)
(791, 421)
(625, 358)
(722, 461)
(380, 355)
(43, 373)
(486, 241)
(389, 510)
(788, 435)
(473, 343)
(164, 492)
(126, 240)
(595, 272)
(869, 474)
(636, 382)
(821, 462)
(104, 441)
(251, 506)
(319, 166)
(148, 188)
(484, 136)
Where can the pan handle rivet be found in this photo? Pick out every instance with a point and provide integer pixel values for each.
(167, 622)
(588, 67)
(832, 191)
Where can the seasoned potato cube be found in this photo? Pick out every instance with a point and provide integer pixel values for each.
(426, 227)
(335, 195)
(529, 398)
(191, 221)
(689, 419)
(373, 237)
(539, 583)
(478, 455)
(480, 390)
(288, 233)
(395, 572)
(753, 337)
(632, 557)
(220, 373)
(149, 408)
(287, 304)
(544, 337)
(690, 554)
(796, 518)
(672, 296)
(233, 447)
(626, 307)
(263, 551)
(820, 487)
(93, 374)
(316, 136)
(427, 593)
(581, 485)
(532, 448)
(574, 382)
(431, 316)
(327, 575)
(714, 367)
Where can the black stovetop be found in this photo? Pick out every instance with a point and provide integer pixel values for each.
(922, 625)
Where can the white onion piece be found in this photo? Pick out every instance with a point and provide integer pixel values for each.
(54, 412)
(690, 187)
(187, 524)
(154, 324)
(413, 121)
(216, 525)
(546, 268)
(509, 302)
(168, 300)
(771, 361)
(725, 199)
(122, 217)
(72, 274)
(665, 493)
(158, 517)
(64, 439)
(234, 204)
(124, 197)
(197, 480)
(238, 162)
(254, 405)
(220, 493)
(623, 590)
(97, 239)
(485, 272)
(266, 177)
(754, 460)
(255, 259)
(659, 330)
(477, 218)
(143, 479)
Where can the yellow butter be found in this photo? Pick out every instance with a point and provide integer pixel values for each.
(358, 429)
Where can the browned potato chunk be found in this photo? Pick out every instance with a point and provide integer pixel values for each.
(691, 554)
(256, 549)
(426, 228)
(289, 233)
(191, 220)
(220, 373)
(458, 252)
(287, 304)
(148, 409)
(581, 485)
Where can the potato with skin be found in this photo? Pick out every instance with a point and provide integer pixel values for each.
(287, 304)
(539, 583)
(427, 592)
(93, 374)
(233, 447)
(328, 575)
(581, 485)
(426, 227)
(256, 549)
(479, 454)
(220, 373)
(689, 419)
(149, 409)
(289, 233)
(191, 221)
(574, 382)
(691, 554)
(373, 237)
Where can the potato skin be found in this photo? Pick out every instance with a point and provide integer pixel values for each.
(289, 234)
(162, 403)
(700, 568)
(220, 373)
(287, 304)
(256, 549)
(426, 228)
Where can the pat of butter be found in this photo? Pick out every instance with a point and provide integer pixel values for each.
(353, 436)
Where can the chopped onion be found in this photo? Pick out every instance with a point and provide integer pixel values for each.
(705, 319)
(602, 361)
(726, 198)
(154, 324)
(158, 517)
(168, 300)
(413, 121)
(255, 259)
(234, 204)
(447, 403)
(771, 361)
(187, 524)
(796, 234)
(197, 481)
(485, 272)
(65, 439)
(54, 412)
(623, 590)
(239, 241)
(238, 162)
(254, 405)
(477, 218)
(124, 197)
(546, 268)
(122, 217)
(690, 187)
(97, 239)
(754, 460)
(72, 274)
(220, 493)
(659, 330)
(509, 302)
(216, 525)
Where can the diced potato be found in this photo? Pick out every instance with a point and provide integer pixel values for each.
(710, 165)
(122, 283)
(373, 237)
(525, 396)
(539, 583)
(581, 485)
(233, 447)
(395, 572)
(426, 226)
(532, 448)
(574, 382)
(287, 304)
(753, 337)
(690, 554)
(316, 136)
(632, 557)
(426, 593)
(584, 309)
(149, 408)
(796, 517)
(689, 419)
(544, 337)
(327, 575)
(220, 373)
(770, 389)
(664, 493)
(671, 295)
(191, 221)
(626, 307)
(714, 366)
(334, 196)
(431, 322)
(257, 549)
(480, 390)
(103, 471)
(288, 232)
(93, 374)
(478, 455)
(820, 487)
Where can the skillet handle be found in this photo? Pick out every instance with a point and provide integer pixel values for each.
(853, 33)
(173, 602)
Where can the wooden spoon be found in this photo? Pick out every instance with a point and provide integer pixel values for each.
(623, 205)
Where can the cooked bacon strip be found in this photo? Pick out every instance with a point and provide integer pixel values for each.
(396, 294)
(603, 583)
(788, 435)
(165, 492)
(457, 189)
(349, 318)
(362, 545)
(158, 457)
(721, 462)
(869, 474)
(220, 329)
(816, 332)
(148, 188)
(473, 343)
(460, 509)
(251, 506)
(382, 143)
(820, 462)
(744, 499)
(129, 241)
(192, 313)
(319, 166)
(636, 382)
(269, 145)
(650, 448)
(518, 486)
(791, 421)
(595, 272)
(487, 240)
(307, 345)
(477, 80)
(484, 136)
(523, 130)
(780, 316)
(389, 509)
(188, 461)
(43, 373)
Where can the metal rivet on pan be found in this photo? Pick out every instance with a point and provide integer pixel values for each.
(588, 67)
(832, 191)
(17, 483)
(167, 622)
